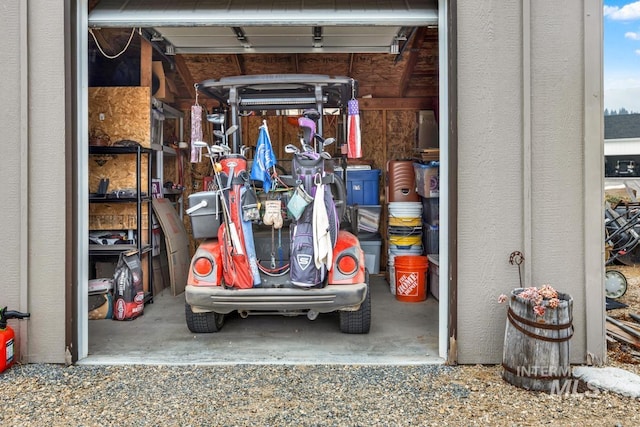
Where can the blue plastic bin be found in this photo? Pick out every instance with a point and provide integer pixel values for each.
(363, 187)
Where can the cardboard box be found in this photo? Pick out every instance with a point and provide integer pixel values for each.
(177, 241)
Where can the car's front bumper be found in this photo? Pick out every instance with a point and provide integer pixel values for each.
(323, 300)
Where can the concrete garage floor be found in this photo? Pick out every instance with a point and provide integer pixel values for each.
(401, 333)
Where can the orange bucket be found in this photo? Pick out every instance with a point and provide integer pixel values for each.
(411, 277)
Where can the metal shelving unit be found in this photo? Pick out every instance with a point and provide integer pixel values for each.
(166, 112)
(142, 198)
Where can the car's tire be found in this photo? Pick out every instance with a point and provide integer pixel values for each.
(203, 323)
(359, 321)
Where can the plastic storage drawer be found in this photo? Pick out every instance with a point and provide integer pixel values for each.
(371, 249)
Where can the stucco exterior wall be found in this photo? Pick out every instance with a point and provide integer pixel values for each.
(490, 170)
(521, 163)
(11, 162)
(557, 114)
(47, 203)
(32, 171)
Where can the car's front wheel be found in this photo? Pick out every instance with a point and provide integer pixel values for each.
(359, 321)
(203, 323)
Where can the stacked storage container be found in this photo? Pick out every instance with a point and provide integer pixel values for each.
(405, 214)
(427, 185)
(363, 194)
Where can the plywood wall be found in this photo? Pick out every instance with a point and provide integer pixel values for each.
(401, 134)
(125, 116)
(374, 144)
(120, 169)
(116, 216)
(284, 130)
(125, 110)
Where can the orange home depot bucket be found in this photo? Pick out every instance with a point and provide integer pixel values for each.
(411, 277)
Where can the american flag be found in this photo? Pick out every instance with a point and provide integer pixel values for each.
(354, 147)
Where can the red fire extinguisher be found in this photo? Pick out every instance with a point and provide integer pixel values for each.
(7, 336)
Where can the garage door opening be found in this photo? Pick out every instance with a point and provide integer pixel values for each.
(399, 76)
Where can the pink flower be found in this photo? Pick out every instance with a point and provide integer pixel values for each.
(548, 292)
(538, 297)
(539, 310)
(554, 302)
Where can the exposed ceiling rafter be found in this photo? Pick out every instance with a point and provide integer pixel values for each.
(416, 40)
(185, 75)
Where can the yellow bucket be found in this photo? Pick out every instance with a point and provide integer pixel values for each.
(405, 240)
(400, 221)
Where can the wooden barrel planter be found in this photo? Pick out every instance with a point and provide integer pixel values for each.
(536, 348)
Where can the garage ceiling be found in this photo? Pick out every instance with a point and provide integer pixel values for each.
(389, 46)
(281, 39)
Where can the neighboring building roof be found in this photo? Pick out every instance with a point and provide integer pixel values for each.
(622, 126)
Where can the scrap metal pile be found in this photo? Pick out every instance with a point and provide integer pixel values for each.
(627, 334)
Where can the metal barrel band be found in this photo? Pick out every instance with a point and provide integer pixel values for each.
(540, 325)
(514, 318)
(521, 373)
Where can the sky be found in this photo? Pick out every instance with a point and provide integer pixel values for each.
(622, 55)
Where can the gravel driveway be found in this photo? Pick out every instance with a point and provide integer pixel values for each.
(295, 395)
